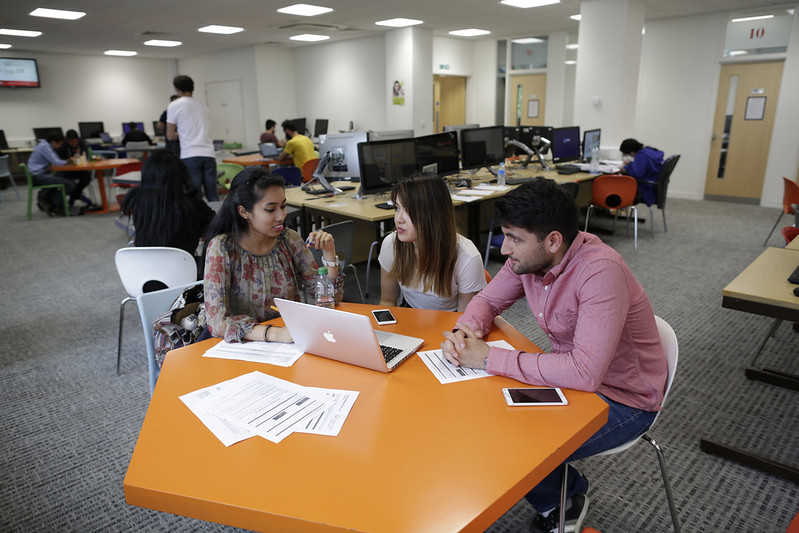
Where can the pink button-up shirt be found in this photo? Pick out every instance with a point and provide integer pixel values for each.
(598, 319)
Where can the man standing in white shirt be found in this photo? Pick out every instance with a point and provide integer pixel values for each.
(187, 121)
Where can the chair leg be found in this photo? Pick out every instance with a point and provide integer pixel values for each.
(773, 228)
(665, 229)
(652, 221)
(66, 203)
(666, 483)
(635, 226)
(488, 244)
(355, 273)
(587, 215)
(30, 201)
(121, 321)
(369, 265)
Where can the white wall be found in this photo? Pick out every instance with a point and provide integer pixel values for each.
(342, 81)
(86, 89)
(481, 87)
(677, 94)
(422, 101)
(455, 55)
(275, 82)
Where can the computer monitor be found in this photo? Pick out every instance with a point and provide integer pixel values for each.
(482, 147)
(90, 130)
(343, 148)
(383, 163)
(3, 141)
(320, 127)
(590, 141)
(126, 126)
(565, 144)
(390, 135)
(299, 123)
(42, 133)
(458, 128)
(440, 149)
(159, 128)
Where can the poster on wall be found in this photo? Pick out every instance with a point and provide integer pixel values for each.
(398, 93)
(755, 108)
(532, 108)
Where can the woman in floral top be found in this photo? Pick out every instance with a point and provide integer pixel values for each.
(251, 258)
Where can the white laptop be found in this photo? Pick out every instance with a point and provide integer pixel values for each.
(268, 149)
(346, 337)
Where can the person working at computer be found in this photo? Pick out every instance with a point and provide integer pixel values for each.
(298, 147)
(596, 315)
(425, 259)
(134, 134)
(644, 164)
(167, 209)
(269, 136)
(187, 121)
(251, 258)
(40, 165)
(73, 148)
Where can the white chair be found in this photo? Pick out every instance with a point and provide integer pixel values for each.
(344, 235)
(140, 267)
(152, 304)
(6, 173)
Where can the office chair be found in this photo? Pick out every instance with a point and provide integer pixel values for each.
(152, 304)
(308, 169)
(789, 197)
(226, 172)
(291, 174)
(32, 187)
(6, 173)
(612, 191)
(661, 187)
(150, 268)
(344, 235)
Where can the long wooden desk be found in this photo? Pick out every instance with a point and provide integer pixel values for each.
(254, 159)
(762, 289)
(413, 455)
(98, 167)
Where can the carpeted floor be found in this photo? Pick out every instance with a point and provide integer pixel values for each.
(69, 423)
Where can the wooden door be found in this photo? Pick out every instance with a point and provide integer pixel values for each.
(742, 126)
(449, 101)
(527, 96)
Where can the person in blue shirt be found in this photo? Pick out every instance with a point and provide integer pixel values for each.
(40, 164)
(644, 164)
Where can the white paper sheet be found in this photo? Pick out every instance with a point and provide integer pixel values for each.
(200, 402)
(490, 187)
(465, 197)
(446, 372)
(274, 353)
(477, 192)
(329, 421)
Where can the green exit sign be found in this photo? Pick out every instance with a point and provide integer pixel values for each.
(443, 67)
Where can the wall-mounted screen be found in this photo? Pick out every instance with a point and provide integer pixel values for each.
(19, 72)
(440, 149)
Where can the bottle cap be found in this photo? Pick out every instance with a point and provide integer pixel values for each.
(322, 271)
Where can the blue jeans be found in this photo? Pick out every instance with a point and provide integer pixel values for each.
(53, 196)
(624, 423)
(202, 171)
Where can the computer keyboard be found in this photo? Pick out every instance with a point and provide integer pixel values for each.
(794, 277)
(518, 181)
(389, 352)
(568, 169)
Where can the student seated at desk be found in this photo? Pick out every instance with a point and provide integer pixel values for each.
(40, 165)
(644, 164)
(298, 148)
(425, 259)
(251, 258)
(595, 314)
(74, 148)
(167, 209)
(268, 136)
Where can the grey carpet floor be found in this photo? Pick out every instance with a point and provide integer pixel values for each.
(68, 423)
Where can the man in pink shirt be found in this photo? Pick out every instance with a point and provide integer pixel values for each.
(596, 315)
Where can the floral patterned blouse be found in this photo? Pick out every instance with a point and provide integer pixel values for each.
(240, 287)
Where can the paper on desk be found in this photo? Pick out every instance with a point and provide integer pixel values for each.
(446, 372)
(465, 197)
(274, 353)
(200, 402)
(329, 421)
(477, 192)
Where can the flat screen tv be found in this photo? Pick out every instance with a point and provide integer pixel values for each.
(19, 72)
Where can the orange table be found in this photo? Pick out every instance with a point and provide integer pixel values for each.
(98, 167)
(255, 159)
(413, 455)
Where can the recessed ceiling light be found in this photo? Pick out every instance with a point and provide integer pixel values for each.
(571, 47)
(737, 52)
(529, 3)
(223, 30)
(304, 10)
(471, 32)
(125, 53)
(571, 62)
(20, 33)
(57, 13)
(527, 40)
(160, 42)
(760, 17)
(4, 46)
(399, 22)
(309, 37)
(577, 17)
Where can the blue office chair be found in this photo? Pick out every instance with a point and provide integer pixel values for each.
(292, 175)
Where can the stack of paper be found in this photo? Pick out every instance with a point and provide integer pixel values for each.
(257, 404)
(274, 353)
(446, 372)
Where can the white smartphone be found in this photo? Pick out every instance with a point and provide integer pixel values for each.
(383, 317)
(534, 396)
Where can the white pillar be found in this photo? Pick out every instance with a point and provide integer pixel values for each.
(409, 60)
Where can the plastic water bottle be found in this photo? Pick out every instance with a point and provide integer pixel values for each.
(594, 169)
(325, 291)
(501, 174)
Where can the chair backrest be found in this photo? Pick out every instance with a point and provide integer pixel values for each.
(613, 191)
(487, 275)
(291, 174)
(344, 235)
(27, 173)
(571, 187)
(4, 170)
(170, 266)
(152, 304)
(790, 196)
(663, 179)
(226, 172)
(308, 169)
(669, 340)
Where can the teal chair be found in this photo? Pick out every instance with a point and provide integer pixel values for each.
(32, 187)
(6, 173)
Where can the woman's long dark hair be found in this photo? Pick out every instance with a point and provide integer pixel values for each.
(160, 205)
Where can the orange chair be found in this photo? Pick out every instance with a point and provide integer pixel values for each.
(308, 169)
(612, 191)
(790, 196)
(487, 276)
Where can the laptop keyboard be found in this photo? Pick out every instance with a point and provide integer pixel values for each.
(389, 352)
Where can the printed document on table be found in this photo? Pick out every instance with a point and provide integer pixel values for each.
(446, 372)
(274, 353)
(491, 187)
(465, 197)
(329, 421)
(477, 192)
(200, 402)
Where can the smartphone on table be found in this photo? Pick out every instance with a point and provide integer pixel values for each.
(534, 396)
(383, 317)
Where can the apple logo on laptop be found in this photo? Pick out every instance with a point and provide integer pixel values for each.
(329, 336)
